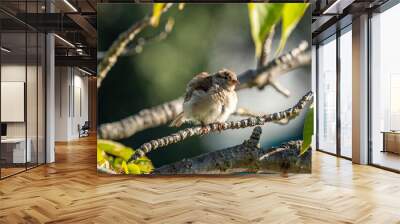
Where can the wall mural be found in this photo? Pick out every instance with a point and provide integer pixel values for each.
(204, 88)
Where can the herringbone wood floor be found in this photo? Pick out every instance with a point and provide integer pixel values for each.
(70, 191)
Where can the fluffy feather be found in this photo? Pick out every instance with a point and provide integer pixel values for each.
(209, 98)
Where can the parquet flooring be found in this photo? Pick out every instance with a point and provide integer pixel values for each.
(70, 191)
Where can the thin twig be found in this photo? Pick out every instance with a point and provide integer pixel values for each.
(116, 49)
(243, 112)
(207, 129)
(119, 45)
(130, 125)
(263, 76)
(243, 158)
(138, 46)
(270, 153)
(278, 86)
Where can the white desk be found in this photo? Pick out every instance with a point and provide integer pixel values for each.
(18, 149)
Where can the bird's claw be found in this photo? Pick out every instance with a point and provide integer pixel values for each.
(220, 127)
(203, 130)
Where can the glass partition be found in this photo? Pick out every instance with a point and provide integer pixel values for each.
(346, 93)
(327, 96)
(31, 98)
(14, 151)
(22, 77)
(385, 89)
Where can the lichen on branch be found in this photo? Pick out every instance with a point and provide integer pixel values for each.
(203, 130)
(244, 158)
(146, 118)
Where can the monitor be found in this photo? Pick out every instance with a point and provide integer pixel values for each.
(3, 129)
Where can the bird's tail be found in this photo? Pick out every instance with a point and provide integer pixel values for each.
(178, 121)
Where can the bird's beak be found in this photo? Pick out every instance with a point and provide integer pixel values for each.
(236, 82)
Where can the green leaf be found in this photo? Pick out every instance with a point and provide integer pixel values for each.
(144, 165)
(291, 15)
(115, 149)
(157, 11)
(107, 150)
(133, 168)
(101, 156)
(124, 167)
(263, 16)
(117, 163)
(308, 130)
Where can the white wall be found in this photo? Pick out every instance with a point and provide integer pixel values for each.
(33, 126)
(16, 73)
(61, 103)
(71, 94)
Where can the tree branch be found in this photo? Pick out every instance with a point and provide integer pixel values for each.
(251, 78)
(146, 118)
(116, 49)
(243, 158)
(267, 47)
(264, 75)
(243, 112)
(119, 45)
(203, 130)
(279, 87)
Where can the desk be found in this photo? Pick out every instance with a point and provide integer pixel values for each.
(391, 141)
(13, 150)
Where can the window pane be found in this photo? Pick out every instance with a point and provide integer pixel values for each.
(14, 150)
(385, 86)
(327, 97)
(346, 94)
(31, 97)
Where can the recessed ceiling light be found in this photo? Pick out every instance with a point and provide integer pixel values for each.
(64, 40)
(70, 5)
(84, 71)
(5, 49)
(337, 7)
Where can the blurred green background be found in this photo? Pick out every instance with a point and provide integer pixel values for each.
(206, 37)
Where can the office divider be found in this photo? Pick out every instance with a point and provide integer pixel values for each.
(22, 76)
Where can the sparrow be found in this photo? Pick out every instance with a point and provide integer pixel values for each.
(209, 98)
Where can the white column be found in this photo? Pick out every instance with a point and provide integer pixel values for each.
(50, 93)
(360, 90)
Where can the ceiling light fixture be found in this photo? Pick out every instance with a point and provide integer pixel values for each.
(65, 41)
(70, 5)
(337, 7)
(331, 7)
(5, 50)
(84, 71)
